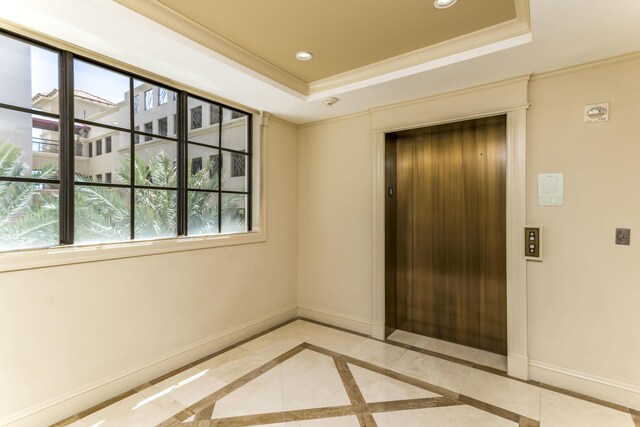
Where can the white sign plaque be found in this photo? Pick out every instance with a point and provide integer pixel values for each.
(550, 189)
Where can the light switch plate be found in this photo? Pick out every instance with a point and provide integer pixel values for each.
(533, 242)
(623, 236)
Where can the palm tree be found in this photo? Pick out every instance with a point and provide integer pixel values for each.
(29, 216)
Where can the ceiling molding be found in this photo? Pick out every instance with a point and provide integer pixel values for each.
(507, 32)
(251, 63)
(486, 36)
(587, 66)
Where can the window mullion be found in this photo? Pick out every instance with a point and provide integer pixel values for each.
(132, 164)
(182, 163)
(67, 151)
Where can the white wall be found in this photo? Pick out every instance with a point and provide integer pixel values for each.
(66, 329)
(334, 221)
(584, 320)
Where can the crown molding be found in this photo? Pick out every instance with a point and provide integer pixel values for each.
(500, 36)
(507, 30)
(241, 58)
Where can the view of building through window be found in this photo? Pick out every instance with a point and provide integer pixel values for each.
(119, 194)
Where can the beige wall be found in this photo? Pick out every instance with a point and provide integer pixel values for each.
(583, 299)
(334, 220)
(68, 328)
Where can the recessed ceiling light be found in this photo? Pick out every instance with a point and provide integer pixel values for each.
(303, 55)
(443, 4)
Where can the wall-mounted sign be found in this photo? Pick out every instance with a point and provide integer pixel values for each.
(550, 189)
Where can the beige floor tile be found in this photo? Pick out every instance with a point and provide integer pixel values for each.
(311, 380)
(274, 343)
(233, 364)
(190, 386)
(161, 398)
(127, 412)
(448, 375)
(450, 416)
(492, 360)
(261, 395)
(448, 348)
(379, 388)
(378, 353)
(559, 410)
(405, 337)
(515, 396)
(338, 341)
(350, 421)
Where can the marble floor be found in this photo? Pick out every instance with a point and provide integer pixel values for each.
(305, 375)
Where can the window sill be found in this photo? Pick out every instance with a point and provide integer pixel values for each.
(65, 255)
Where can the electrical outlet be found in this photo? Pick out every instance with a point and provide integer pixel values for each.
(623, 236)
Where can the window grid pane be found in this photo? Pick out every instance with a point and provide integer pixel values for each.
(148, 99)
(196, 117)
(128, 211)
(163, 96)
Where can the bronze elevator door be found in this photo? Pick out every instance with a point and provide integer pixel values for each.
(446, 232)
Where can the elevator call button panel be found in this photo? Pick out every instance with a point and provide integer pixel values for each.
(532, 243)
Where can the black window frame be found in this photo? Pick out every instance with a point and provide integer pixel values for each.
(99, 147)
(107, 143)
(67, 182)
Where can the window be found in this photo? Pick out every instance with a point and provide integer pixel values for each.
(139, 197)
(148, 99)
(214, 161)
(162, 126)
(236, 115)
(175, 95)
(214, 114)
(163, 96)
(237, 164)
(196, 117)
(196, 165)
(148, 128)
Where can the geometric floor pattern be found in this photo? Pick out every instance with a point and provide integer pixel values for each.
(303, 374)
(357, 403)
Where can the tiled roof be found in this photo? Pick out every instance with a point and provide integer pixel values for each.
(77, 93)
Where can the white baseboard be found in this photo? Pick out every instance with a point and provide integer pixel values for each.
(340, 320)
(591, 385)
(67, 404)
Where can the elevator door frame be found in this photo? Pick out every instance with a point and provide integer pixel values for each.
(517, 348)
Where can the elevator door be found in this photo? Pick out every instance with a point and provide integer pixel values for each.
(446, 232)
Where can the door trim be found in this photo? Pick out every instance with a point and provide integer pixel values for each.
(517, 345)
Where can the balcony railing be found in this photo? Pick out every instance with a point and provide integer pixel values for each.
(42, 145)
